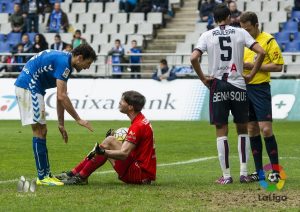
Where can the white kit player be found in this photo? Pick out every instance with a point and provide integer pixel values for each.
(225, 48)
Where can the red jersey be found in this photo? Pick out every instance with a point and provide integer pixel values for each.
(140, 133)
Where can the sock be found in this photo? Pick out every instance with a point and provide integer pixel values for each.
(41, 157)
(92, 165)
(243, 149)
(271, 146)
(223, 152)
(80, 166)
(256, 147)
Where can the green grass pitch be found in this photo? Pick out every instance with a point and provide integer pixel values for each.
(179, 187)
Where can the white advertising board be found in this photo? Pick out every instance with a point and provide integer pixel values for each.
(98, 99)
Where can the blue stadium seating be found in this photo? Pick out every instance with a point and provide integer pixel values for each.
(13, 38)
(295, 15)
(5, 47)
(2, 37)
(297, 36)
(282, 37)
(293, 46)
(31, 36)
(290, 26)
(55, 1)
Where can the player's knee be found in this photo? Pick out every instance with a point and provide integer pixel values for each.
(107, 142)
(267, 131)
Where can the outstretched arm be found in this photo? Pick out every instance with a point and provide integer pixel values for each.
(64, 100)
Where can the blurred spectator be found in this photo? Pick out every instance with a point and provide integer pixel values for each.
(40, 43)
(296, 5)
(144, 6)
(58, 43)
(164, 72)
(234, 14)
(58, 20)
(127, 5)
(160, 6)
(17, 19)
(17, 59)
(27, 45)
(68, 48)
(31, 11)
(206, 12)
(117, 56)
(77, 39)
(135, 60)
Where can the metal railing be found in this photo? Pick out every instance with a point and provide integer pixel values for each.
(102, 67)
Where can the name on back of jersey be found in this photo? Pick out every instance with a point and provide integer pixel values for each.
(223, 32)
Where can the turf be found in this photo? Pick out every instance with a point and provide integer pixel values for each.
(179, 187)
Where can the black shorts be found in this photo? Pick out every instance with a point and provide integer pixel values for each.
(260, 102)
(225, 97)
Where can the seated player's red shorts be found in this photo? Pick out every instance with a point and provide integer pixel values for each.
(130, 172)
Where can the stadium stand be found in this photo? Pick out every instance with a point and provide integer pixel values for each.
(102, 23)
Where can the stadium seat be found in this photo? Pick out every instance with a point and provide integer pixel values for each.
(86, 18)
(174, 60)
(293, 46)
(121, 37)
(136, 18)
(105, 48)
(270, 27)
(2, 37)
(283, 4)
(295, 15)
(92, 28)
(200, 27)
(95, 46)
(5, 47)
(297, 36)
(119, 18)
(32, 35)
(78, 26)
(3, 18)
(79, 7)
(288, 59)
(145, 29)
(103, 18)
(240, 5)
(263, 16)
(109, 28)
(279, 15)
(50, 37)
(67, 37)
(7, 7)
(112, 7)
(155, 18)
(100, 38)
(65, 7)
(270, 6)
(72, 17)
(253, 6)
(292, 69)
(5, 28)
(13, 38)
(290, 26)
(184, 48)
(192, 37)
(282, 37)
(139, 39)
(95, 7)
(127, 28)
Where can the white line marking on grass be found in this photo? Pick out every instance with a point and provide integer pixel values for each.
(161, 165)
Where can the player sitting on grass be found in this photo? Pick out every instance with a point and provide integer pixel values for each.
(134, 160)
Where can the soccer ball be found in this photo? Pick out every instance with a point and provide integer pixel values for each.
(273, 177)
(121, 133)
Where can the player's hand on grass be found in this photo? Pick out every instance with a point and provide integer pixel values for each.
(110, 132)
(64, 133)
(85, 124)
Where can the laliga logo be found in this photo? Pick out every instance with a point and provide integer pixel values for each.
(272, 187)
(9, 103)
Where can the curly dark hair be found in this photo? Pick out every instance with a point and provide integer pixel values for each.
(86, 51)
